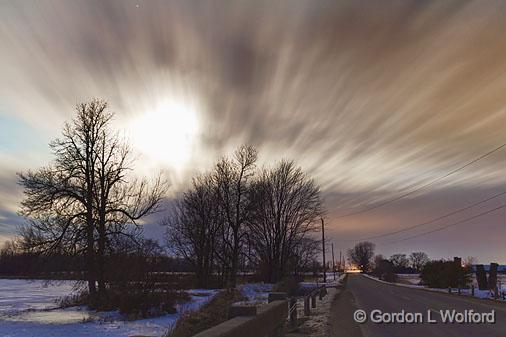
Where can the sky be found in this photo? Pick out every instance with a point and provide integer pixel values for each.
(371, 98)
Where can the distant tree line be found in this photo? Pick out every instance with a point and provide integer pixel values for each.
(433, 273)
(362, 256)
(16, 262)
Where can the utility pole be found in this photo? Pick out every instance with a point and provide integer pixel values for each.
(333, 262)
(323, 251)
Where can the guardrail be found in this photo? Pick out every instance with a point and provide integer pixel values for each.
(265, 320)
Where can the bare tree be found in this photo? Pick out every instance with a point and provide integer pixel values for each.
(193, 227)
(361, 255)
(232, 177)
(304, 255)
(418, 260)
(286, 206)
(400, 261)
(85, 195)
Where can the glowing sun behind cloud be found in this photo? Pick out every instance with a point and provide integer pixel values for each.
(166, 132)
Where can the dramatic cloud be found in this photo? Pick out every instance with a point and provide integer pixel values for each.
(371, 97)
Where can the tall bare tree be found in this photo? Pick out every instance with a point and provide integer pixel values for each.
(286, 206)
(193, 227)
(232, 177)
(85, 196)
(418, 260)
(361, 255)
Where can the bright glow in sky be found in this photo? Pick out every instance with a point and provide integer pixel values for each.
(166, 132)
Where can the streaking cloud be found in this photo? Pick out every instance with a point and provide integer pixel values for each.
(370, 97)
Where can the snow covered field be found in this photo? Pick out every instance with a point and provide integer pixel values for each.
(29, 309)
(413, 281)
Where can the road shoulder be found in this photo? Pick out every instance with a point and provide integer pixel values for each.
(341, 315)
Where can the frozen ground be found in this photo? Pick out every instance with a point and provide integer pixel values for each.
(318, 323)
(29, 309)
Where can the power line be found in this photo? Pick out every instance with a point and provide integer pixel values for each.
(381, 204)
(432, 220)
(447, 226)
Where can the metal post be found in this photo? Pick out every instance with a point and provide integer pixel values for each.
(293, 312)
(323, 253)
(472, 290)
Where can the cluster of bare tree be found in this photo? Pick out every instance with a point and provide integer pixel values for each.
(236, 215)
(86, 202)
(362, 256)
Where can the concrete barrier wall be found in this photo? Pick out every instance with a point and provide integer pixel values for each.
(269, 320)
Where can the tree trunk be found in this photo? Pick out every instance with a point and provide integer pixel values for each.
(101, 261)
(90, 264)
(234, 268)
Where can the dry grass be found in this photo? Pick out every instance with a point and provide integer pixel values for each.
(211, 314)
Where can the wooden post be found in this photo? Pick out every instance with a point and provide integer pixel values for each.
(492, 276)
(313, 300)
(449, 290)
(333, 262)
(323, 253)
(481, 277)
(323, 292)
(343, 266)
(472, 290)
(307, 311)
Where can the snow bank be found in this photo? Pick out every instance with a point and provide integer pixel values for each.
(27, 309)
(256, 292)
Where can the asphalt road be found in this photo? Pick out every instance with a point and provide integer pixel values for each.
(368, 295)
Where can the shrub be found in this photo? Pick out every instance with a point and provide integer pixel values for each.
(384, 270)
(135, 300)
(211, 314)
(444, 274)
(75, 299)
(143, 299)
